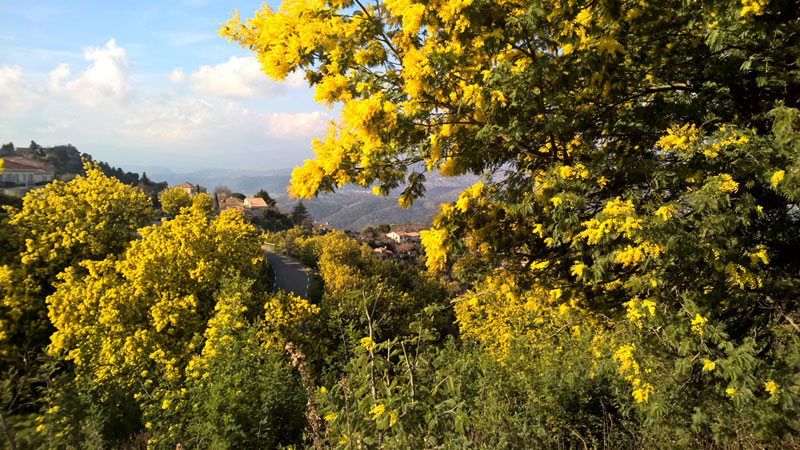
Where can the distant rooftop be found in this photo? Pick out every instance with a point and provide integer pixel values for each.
(15, 164)
(255, 201)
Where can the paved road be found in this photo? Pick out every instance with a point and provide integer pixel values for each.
(290, 274)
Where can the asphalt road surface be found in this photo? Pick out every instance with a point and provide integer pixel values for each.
(290, 274)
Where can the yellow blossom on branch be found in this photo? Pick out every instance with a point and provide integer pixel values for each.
(368, 344)
(777, 177)
(377, 411)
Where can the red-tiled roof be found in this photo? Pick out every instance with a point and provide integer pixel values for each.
(14, 165)
(233, 201)
(255, 201)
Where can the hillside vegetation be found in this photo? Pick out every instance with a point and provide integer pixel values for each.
(67, 162)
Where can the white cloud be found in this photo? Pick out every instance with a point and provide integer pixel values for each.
(102, 105)
(177, 76)
(296, 79)
(16, 96)
(285, 125)
(236, 78)
(55, 126)
(177, 120)
(10, 81)
(195, 120)
(105, 79)
(58, 75)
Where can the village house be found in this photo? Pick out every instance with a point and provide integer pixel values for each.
(21, 175)
(231, 203)
(250, 206)
(321, 228)
(402, 237)
(254, 206)
(191, 189)
(382, 253)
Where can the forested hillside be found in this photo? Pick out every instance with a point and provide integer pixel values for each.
(67, 162)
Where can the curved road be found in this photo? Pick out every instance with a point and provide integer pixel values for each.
(290, 274)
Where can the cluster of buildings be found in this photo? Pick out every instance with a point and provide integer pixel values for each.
(21, 175)
(191, 189)
(250, 206)
(400, 237)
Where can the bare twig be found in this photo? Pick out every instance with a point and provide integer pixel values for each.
(312, 415)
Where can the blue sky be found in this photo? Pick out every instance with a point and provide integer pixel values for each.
(148, 83)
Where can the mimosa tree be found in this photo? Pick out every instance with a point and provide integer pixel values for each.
(640, 166)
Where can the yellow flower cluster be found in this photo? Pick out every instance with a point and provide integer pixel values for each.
(771, 387)
(121, 315)
(697, 324)
(435, 242)
(500, 311)
(577, 171)
(680, 138)
(753, 7)
(759, 256)
(470, 195)
(577, 269)
(633, 255)
(726, 183)
(377, 411)
(368, 344)
(283, 313)
(619, 217)
(637, 309)
(665, 212)
(629, 367)
(740, 277)
(777, 177)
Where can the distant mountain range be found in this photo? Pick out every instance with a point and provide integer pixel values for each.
(351, 208)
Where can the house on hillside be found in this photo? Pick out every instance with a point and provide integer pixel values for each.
(231, 203)
(321, 228)
(191, 189)
(21, 175)
(254, 206)
(382, 253)
(402, 237)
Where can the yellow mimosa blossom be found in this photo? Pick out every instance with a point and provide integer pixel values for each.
(697, 324)
(377, 411)
(777, 177)
(771, 387)
(726, 184)
(368, 343)
(753, 7)
(665, 212)
(682, 138)
(577, 269)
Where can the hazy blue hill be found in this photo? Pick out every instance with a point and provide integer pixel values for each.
(350, 208)
(245, 181)
(355, 208)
